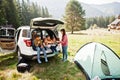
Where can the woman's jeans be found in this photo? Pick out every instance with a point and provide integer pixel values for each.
(38, 53)
(65, 53)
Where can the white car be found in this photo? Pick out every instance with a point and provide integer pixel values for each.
(43, 27)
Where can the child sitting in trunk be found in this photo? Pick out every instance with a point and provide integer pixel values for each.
(39, 46)
(50, 43)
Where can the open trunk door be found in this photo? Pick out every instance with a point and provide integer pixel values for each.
(48, 23)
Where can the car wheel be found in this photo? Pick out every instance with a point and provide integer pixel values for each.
(19, 54)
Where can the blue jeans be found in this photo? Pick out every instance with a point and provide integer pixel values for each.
(38, 53)
(53, 48)
(65, 53)
(33, 46)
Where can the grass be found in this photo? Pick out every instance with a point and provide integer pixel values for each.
(111, 40)
(55, 69)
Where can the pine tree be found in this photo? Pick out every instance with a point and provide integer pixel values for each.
(20, 12)
(43, 12)
(2, 13)
(10, 13)
(46, 12)
(74, 16)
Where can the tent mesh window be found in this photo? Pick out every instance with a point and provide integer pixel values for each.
(104, 65)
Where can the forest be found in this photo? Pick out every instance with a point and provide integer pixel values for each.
(100, 22)
(19, 12)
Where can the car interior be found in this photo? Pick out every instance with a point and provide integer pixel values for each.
(42, 33)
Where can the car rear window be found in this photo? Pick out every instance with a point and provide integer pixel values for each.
(26, 33)
(7, 32)
(11, 32)
(3, 32)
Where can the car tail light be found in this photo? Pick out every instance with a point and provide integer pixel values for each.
(28, 43)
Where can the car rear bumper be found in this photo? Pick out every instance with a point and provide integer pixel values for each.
(32, 57)
(7, 45)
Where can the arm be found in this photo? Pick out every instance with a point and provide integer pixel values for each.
(64, 40)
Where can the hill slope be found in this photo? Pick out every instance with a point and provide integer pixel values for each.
(57, 8)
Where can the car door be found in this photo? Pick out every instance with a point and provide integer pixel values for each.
(17, 35)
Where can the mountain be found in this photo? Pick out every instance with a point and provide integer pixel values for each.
(108, 9)
(91, 11)
(57, 8)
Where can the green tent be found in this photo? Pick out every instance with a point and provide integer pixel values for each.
(98, 61)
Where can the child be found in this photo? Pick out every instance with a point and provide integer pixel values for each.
(39, 47)
(50, 43)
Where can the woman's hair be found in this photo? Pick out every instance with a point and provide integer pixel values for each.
(63, 30)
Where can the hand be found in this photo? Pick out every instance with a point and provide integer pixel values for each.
(58, 42)
(38, 42)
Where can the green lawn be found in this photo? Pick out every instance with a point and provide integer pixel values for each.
(55, 69)
(78, 39)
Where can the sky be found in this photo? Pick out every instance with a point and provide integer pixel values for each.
(98, 1)
(84, 1)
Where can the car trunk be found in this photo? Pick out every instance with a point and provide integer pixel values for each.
(7, 38)
(44, 23)
(6, 43)
(43, 33)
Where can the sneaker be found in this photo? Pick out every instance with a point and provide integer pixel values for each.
(39, 62)
(62, 59)
(55, 52)
(65, 60)
(46, 60)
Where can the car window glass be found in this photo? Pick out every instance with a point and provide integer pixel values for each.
(3, 32)
(10, 32)
(18, 34)
(44, 33)
(26, 33)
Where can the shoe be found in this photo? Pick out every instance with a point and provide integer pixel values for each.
(65, 60)
(39, 62)
(46, 60)
(55, 52)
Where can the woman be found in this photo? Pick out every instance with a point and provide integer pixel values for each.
(39, 46)
(64, 43)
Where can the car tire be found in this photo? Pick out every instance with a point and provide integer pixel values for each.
(19, 54)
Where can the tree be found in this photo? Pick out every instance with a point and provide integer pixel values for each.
(20, 12)
(74, 16)
(8, 13)
(2, 13)
(99, 21)
(29, 10)
(46, 12)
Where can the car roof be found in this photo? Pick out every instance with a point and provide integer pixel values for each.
(7, 28)
(23, 27)
(42, 19)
